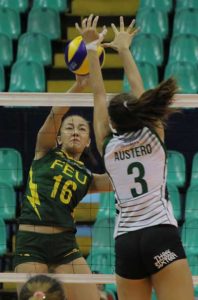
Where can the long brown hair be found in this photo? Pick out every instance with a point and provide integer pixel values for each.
(129, 113)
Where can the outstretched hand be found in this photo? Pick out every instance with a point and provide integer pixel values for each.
(89, 32)
(123, 38)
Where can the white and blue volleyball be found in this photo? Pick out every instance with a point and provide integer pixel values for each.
(76, 56)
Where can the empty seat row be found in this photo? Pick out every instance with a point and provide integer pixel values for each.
(31, 46)
(98, 205)
(40, 20)
(182, 64)
(7, 201)
(26, 76)
(11, 169)
(149, 74)
(148, 47)
(186, 21)
(184, 48)
(22, 6)
(180, 4)
(153, 19)
(186, 74)
(164, 5)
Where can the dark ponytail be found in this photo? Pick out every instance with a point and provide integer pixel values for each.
(129, 113)
(42, 287)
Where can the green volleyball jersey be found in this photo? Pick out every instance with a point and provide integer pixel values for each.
(55, 186)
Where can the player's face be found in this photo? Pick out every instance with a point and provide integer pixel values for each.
(75, 135)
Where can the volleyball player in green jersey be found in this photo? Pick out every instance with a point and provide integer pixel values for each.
(130, 136)
(57, 181)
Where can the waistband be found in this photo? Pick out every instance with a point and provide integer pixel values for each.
(44, 229)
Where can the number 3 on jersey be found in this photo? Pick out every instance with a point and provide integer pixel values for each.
(138, 179)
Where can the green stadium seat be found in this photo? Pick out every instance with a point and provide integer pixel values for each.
(148, 48)
(6, 50)
(176, 174)
(7, 201)
(27, 76)
(18, 5)
(194, 172)
(184, 48)
(186, 74)
(192, 255)
(59, 5)
(2, 79)
(186, 22)
(174, 197)
(189, 238)
(46, 21)
(186, 4)
(153, 21)
(165, 5)
(149, 75)
(3, 238)
(11, 167)
(191, 207)
(102, 233)
(10, 22)
(107, 206)
(101, 260)
(35, 47)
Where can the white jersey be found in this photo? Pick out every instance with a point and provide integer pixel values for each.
(136, 163)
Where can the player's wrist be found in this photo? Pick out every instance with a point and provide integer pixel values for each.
(92, 46)
(123, 49)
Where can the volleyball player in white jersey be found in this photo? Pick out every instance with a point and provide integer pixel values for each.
(130, 136)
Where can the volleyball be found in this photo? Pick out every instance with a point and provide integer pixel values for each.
(76, 56)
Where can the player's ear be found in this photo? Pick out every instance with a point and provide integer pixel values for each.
(89, 143)
(58, 139)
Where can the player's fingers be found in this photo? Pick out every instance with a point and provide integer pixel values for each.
(106, 45)
(114, 28)
(103, 32)
(84, 23)
(78, 28)
(135, 31)
(89, 20)
(121, 23)
(95, 22)
(131, 25)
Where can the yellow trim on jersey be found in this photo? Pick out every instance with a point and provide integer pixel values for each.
(34, 198)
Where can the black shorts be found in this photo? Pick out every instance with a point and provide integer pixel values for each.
(141, 253)
(49, 249)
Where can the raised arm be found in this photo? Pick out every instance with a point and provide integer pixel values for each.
(121, 43)
(47, 135)
(92, 39)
